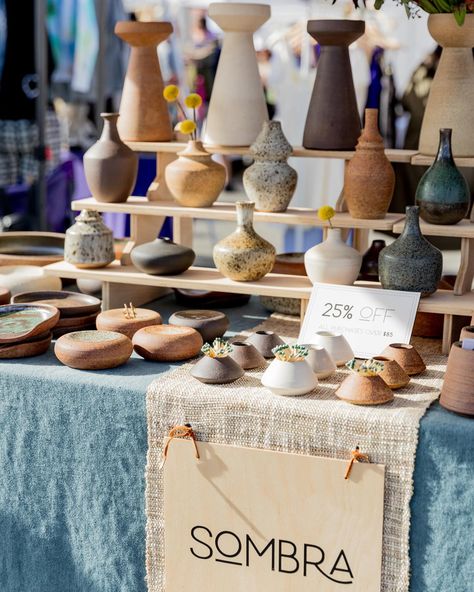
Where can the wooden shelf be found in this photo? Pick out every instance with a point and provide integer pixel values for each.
(140, 206)
(425, 160)
(464, 229)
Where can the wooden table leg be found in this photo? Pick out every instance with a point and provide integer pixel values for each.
(466, 269)
(158, 190)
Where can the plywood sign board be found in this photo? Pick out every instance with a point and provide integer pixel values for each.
(247, 520)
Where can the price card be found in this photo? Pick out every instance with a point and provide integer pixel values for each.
(369, 318)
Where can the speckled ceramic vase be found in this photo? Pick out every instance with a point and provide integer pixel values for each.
(244, 256)
(369, 178)
(411, 263)
(270, 181)
(443, 194)
(89, 242)
(195, 179)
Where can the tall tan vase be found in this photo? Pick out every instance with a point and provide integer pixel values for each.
(237, 108)
(144, 113)
(452, 92)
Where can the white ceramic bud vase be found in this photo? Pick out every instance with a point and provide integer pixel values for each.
(289, 379)
(335, 344)
(332, 261)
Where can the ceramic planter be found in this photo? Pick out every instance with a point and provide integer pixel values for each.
(335, 344)
(110, 166)
(165, 343)
(333, 124)
(332, 261)
(406, 356)
(443, 194)
(195, 179)
(217, 370)
(115, 320)
(411, 263)
(264, 342)
(93, 350)
(246, 355)
(467, 333)
(162, 257)
(237, 88)
(369, 270)
(457, 393)
(452, 90)
(270, 181)
(392, 374)
(289, 379)
(209, 323)
(244, 256)
(89, 243)
(369, 178)
(144, 113)
(320, 361)
(364, 390)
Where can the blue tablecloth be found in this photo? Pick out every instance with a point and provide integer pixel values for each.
(72, 460)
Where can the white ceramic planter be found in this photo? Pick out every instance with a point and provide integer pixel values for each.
(320, 361)
(336, 345)
(289, 378)
(332, 261)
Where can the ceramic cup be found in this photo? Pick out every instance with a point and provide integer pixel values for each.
(392, 374)
(320, 361)
(247, 355)
(289, 378)
(336, 345)
(264, 342)
(407, 356)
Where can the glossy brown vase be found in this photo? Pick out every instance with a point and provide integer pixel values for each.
(457, 393)
(143, 110)
(333, 121)
(369, 179)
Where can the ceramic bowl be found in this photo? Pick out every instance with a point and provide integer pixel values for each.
(289, 379)
(217, 370)
(115, 320)
(392, 374)
(335, 344)
(407, 356)
(209, 323)
(247, 355)
(19, 322)
(166, 343)
(31, 248)
(264, 342)
(320, 361)
(25, 278)
(467, 333)
(93, 350)
(4, 296)
(69, 304)
(35, 346)
(364, 390)
(457, 393)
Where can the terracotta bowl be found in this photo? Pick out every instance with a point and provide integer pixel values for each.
(115, 320)
(247, 355)
(69, 304)
(217, 370)
(467, 333)
(364, 390)
(165, 343)
(93, 350)
(407, 356)
(209, 323)
(393, 374)
(35, 346)
(457, 393)
(264, 342)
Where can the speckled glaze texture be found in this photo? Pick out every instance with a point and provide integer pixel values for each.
(443, 194)
(270, 181)
(195, 179)
(244, 256)
(411, 263)
(89, 243)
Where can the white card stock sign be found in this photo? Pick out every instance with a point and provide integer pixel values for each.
(369, 318)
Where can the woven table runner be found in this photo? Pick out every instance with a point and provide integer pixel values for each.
(245, 413)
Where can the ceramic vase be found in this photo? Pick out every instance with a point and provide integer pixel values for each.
(392, 374)
(333, 121)
(452, 90)
(289, 379)
(443, 194)
(237, 88)
(369, 270)
(265, 342)
(144, 111)
(246, 355)
(411, 263)
(369, 178)
(217, 370)
(195, 179)
(332, 261)
(457, 393)
(364, 390)
(110, 166)
(407, 357)
(208, 323)
(335, 344)
(89, 243)
(320, 361)
(162, 257)
(244, 256)
(270, 181)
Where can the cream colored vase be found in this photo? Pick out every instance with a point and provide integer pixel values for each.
(194, 179)
(237, 108)
(451, 98)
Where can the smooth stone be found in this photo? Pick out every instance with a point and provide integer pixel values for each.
(264, 342)
(166, 343)
(209, 323)
(289, 379)
(69, 304)
(407, 357)
(27, 349)
(27, 278)
(20, 322)
(217, 370)
(115, 320)
(93, 350)
(364, 390)
(162, 257)
(246, 355)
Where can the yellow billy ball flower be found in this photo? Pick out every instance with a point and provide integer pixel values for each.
(171, 93)
(193, 101)
(187, 126)
(326, 213)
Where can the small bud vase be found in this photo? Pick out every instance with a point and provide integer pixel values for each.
(244, 256)
(270, 181)
(289, 379)
(89, 242)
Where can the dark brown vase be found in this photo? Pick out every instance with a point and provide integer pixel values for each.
(369, 271)
(333, 121)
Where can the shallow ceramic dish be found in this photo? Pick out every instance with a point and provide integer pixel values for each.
(217, 370)
(93, 350)
(166, 343)
(247, 355)
(115, 320)
(4, 296)
(264, 342)
(209, 323)
(31, 248)
(69, 304)
(19, 322)
(26, 349)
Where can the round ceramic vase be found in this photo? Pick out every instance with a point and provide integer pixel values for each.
(332, 261)
(217, 370)
(289, 378)
(411, 263)
(110, 166)
(364, 390)
(247, 355)
(89, 243)
(244, 256)
(162, 257)
(407, 357)
(270, 181)
(369, 178)
(335, 344)
(443, 194)
(457, 393)
(392, 374)
(265, 342)
(320, 361)
(195, 179)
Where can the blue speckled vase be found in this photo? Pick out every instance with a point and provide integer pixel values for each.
(411, 263)
(443, 193)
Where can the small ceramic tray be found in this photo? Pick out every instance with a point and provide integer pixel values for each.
(69, 304)
(19, 322)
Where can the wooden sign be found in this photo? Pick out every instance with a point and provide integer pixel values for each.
(241, 519)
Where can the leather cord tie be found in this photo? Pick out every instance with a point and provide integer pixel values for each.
(185, 432)
(356, 456)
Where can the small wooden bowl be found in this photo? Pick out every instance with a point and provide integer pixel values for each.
(407, 357)
(364, 390)
(247, 355)
(392, 374)
(457, 393)
(166, 343)
(93, 350)
(115, 320)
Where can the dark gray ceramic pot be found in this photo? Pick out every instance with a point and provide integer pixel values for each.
(217, 370)
(209, 323)
(162, 257)
(411, 263)
(443, 194)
